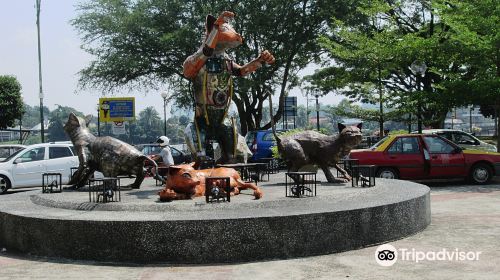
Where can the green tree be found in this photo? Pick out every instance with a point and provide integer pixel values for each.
(11, 103)
(143, 43)
(31, 116)
(473, 30)
(150, 125)
(372, 59)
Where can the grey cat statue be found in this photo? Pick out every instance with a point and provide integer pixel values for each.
(311, 147)
(108, 155)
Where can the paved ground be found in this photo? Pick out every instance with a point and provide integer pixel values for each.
(464, 218)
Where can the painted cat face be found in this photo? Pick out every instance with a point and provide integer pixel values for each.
(182, 176)
(228, 38)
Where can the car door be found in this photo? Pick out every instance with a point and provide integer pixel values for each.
(61, 159)
(445, 159)
(27, 169)
(405, 153)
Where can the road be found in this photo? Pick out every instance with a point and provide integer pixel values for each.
(465, 218)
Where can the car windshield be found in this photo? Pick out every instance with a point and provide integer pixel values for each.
(13, 155)
(378, 143)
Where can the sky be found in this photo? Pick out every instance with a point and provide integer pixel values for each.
(62, 58)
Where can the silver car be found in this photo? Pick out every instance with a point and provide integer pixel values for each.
(462, 139)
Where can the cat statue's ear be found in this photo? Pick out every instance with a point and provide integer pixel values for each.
(360, 125)
(88, 119)
(73, 118)
(209, 23)
(341, 127)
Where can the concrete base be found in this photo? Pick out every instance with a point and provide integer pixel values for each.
(142, 229)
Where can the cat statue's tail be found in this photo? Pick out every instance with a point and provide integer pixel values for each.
(158, 177)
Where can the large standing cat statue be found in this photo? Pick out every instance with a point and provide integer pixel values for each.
(311, 147)
(211, 69)
(108, 155)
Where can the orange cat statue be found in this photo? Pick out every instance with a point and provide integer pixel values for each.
(184, 182)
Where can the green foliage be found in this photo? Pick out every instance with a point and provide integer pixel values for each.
(150, 125)
(473, 29)
(373, 57)
(31, 116)
(143, 43)
(11, 103)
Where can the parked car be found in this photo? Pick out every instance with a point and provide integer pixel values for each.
(154, 149)
(25, 167)
(8, 149)
(428, 156)
(260, 143)
(462, 139)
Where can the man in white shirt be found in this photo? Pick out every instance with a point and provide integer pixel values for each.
(165, 154)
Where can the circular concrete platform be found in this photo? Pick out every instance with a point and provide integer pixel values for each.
(142, 229)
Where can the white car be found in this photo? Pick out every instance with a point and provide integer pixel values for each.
(25, 167)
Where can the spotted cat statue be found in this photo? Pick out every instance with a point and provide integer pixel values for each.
(108, 155)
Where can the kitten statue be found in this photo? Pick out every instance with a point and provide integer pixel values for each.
(311, 147)
(108, 155)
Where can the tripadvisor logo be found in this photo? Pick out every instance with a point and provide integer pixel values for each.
(387, 255)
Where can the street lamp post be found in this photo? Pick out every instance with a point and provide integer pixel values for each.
(418, 68)
(98, 120)
(307, 93)
(21, 123)
(164, 95)
(40, 94)
(317, 112)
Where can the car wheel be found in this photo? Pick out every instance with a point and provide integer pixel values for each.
(480, 173)
(387, 173)
(4, 184)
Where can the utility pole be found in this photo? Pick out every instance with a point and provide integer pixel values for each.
(317, 112)
(40, 94)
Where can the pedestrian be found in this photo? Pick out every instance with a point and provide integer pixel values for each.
(165, 154)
